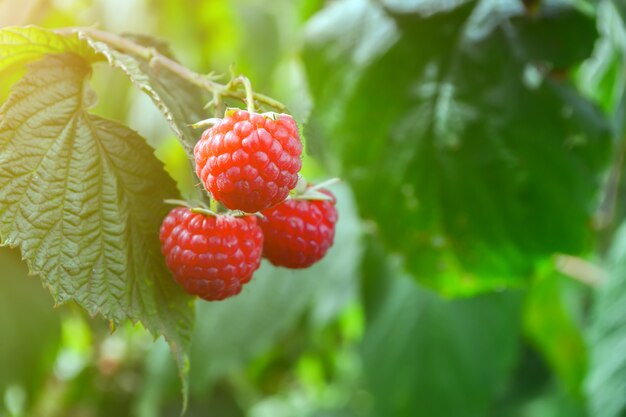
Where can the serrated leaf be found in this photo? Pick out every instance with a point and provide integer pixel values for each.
(82, 197)
(469, 171)
(180, 101)
(606, 381)
(159, 45)
(22, 44)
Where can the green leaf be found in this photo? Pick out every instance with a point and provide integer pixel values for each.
(551, 327)
(605, 384)
(180, 101)
(472, 169)
(82, 197)
(601, 77)
(427, 356)
(22, 44)
(559, 36)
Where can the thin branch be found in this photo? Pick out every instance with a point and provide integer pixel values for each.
(580, 269)
(155, 58)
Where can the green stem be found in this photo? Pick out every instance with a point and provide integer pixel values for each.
(204, 211)
(325, 184)
(249, 92)
(214, 205)
(155, 58)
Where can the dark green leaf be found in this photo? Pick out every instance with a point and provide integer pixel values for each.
(559, 37)
(470, 168)
(82, 197)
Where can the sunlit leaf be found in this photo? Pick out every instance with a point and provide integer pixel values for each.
(82, 197)
(22, 44)
(180, 101)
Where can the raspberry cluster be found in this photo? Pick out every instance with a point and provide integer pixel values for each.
(249, 163)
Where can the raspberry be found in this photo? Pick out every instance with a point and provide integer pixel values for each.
(298, 233)
(211, 256)
(249, 161)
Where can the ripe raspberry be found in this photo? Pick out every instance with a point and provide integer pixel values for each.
(211, 256)
(249, 161)
(298, 233)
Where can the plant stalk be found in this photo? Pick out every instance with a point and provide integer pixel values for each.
(155, 58)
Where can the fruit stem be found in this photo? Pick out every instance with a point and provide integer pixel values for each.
(325, 184)
(214, 205)
(245, 81)
(204, 211)
(206, 123)
(155, 58)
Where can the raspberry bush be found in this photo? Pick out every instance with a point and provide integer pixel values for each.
(85, 202)
(471, 261)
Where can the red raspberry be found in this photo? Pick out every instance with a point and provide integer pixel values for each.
(211, 256)
(298, 233)
(249, 161)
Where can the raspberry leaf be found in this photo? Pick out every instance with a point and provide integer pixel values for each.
(82, 197)
(180, 101)
(22, 44)
(464, 144)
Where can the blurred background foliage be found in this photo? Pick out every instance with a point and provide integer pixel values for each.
(479, 267)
